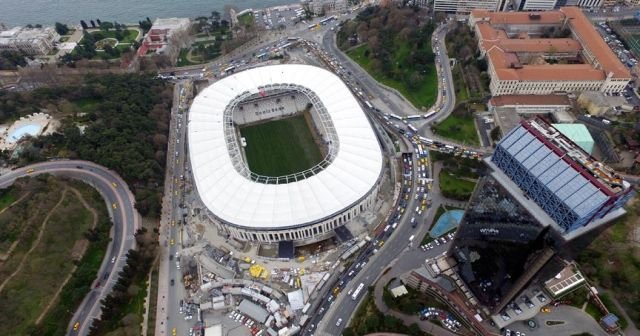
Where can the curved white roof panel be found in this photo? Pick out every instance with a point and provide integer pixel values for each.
(245, 203)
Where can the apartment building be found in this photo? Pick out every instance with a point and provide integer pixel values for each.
(524, 60)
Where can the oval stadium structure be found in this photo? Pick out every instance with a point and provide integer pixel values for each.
(302, 206)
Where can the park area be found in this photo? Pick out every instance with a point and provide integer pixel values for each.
(394, 46)
(422, 95)
(47, 258)
(459, 126)
(280, 147)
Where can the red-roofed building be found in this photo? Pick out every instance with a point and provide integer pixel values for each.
(523, 61)
(166, 37)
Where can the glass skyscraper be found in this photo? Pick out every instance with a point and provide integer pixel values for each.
(543, 198)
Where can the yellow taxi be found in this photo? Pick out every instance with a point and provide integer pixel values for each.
(113, 205)
(30, 170)
(173, 331)
(173, 222)
(115, 185)
(76, 326)
(172, 242)
(381, 243)
(545, 309)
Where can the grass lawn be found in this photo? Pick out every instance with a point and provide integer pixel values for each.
(182, 58)
(7, 196)
(45, 267)
(86, 104)
(280, 147)
(422, 96)
(128, 35)
(457, 127)
(246, 19)
(451, 185)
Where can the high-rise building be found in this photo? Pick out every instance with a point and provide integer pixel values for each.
(466, 6)
(543, 199)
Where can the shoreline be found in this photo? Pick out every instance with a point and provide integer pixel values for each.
(199, 8)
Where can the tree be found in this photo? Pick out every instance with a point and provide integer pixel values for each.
(84, 25)
(105, 25)
(144, 25)
(62, 29)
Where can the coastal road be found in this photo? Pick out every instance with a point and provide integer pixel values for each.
(126, 220)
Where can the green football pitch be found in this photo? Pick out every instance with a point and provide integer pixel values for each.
(280, 147)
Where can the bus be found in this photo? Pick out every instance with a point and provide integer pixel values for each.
(262, 56)
(426, 140)
(312, 26)
(230, 69)
(413, 117)
(327, 20)
(366, 102)
(429, 115)
(292, 38)
(394, 116)
(413, 128)
(356, 292)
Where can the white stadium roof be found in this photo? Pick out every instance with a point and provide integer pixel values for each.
(240, 201)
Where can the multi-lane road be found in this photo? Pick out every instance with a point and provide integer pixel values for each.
(126, 220)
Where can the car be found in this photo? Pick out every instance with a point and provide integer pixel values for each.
(30, 170)
(172, 282)
(113, 205)
(76, 326)
(172, 242)
(339, 322)
(113, 260)
(173, 331)
(545, 310)
(97, 284)
(505, 317)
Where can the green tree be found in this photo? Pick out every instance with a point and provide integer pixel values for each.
(62, 29)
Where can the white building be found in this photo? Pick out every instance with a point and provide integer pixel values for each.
(521, 62)
(31, 41)
(466, 6)
(303, 207)
(324, 6)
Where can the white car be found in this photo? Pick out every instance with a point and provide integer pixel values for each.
(339, 322)
(113, 260)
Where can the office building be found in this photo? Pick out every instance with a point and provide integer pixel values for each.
(542, 53)
(543, 200)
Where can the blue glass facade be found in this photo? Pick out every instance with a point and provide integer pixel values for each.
(546, 177)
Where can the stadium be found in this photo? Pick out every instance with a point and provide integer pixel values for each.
(282, 153)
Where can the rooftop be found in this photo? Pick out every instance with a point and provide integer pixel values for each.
(502, 50)
(579, 134)
(569, 278)
(601, 175)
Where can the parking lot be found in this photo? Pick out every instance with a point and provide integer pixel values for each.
(279, 17)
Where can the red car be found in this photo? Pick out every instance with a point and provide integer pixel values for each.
(98, 284)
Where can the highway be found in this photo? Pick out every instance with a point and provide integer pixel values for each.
(126, 220)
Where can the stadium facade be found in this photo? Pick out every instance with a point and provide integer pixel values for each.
(303, 207)
(543, 201)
